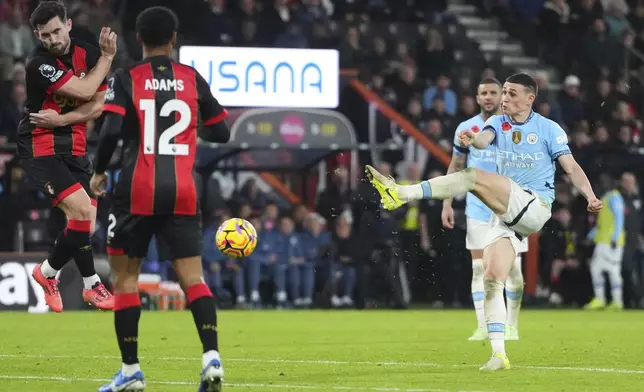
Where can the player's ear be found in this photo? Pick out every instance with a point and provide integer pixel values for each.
(173, 42)
(68, 24)
(36, 33)
(138, 38)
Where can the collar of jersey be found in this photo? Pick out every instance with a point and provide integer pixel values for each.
(508, 119)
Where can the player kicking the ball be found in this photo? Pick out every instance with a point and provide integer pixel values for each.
(520, 194)
(480, 217)
(156, 106)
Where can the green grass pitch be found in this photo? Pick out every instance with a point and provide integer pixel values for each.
(263, 351)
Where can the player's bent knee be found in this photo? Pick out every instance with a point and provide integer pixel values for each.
(78, 206)
(189, 271)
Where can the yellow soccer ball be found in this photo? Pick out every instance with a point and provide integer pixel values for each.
(236, 238)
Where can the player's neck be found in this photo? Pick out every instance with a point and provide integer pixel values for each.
(485, 115)
(521, 117)
(161, 51)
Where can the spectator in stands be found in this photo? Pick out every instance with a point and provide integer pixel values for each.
(434, 57)
(553, 24)
(636, 17)
(570, 101)
(290, 257)
(600, 52)
(560, 271)
(343, 271)
(217, 27)
(300, 212)
(439, 112)
(335, 199)
(274, 21)
(615, 17)
(467, 109)
(251, 193)
(633, 262)
(406, 86)
(547, 95)
(264, 257)
(602, 102)
(16, 39)
(292, 37)
(441, 89)
(11, 113)
(270, 216)
(351, 52)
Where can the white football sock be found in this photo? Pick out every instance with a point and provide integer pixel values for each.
(48, 270)
(90, 281)
(129, 370)
(478, 291)
(495, 314)
(514, 292)
(441, 188)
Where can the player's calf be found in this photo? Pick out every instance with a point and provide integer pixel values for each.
(204, 312)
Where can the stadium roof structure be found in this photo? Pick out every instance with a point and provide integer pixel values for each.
(287, 140)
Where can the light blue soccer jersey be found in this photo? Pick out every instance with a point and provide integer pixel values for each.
(526, 152)
(482, 159)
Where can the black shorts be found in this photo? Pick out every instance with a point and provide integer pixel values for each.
(59, 176)
(179, 235)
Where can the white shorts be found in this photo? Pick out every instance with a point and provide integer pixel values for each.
(479, 232)
(606, 258)
(527, 213)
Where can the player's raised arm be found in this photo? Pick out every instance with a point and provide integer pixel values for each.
(458, 163)
(114, 108)
(479, 140)
(214, 128)
(68, 84)
(559, 150)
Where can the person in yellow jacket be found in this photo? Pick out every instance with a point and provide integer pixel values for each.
(609, 239)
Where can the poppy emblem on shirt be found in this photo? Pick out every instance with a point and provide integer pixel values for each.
(506, 126)
(476, 129)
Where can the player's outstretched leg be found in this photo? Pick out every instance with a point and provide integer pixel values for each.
(478, 295)
(498, 257)
(74, 241)
(204, 312)
(514, 295)
(127, 312)
(492, 189)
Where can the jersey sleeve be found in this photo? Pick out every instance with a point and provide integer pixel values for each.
(93, 55)
(458, 148)
(492, 124)
(45, 73)
(558, 141)
(115, 96)
(211, 111)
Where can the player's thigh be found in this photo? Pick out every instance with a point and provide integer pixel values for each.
(128, 234)
(183, 240)
(527, 212)
(493, 190)
(476, 236)
(55, 179)
(499, 257)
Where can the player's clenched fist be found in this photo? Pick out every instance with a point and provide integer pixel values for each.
(466, 138)
(594, 205)
(107, 41)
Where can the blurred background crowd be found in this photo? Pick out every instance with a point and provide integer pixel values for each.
(423, 59)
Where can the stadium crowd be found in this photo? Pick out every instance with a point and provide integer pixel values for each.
(406, 53)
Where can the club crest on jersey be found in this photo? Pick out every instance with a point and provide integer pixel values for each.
(506, 126)
(532, 138)
(49, 188)
(516, 136)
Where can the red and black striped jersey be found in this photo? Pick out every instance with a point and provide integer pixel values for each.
(163, 104)
(46, 73)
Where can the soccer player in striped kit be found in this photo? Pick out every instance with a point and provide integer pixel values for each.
(65, 89)
(158, 107)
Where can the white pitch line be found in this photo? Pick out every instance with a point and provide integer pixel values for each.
(235, 385)
(331, 362)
